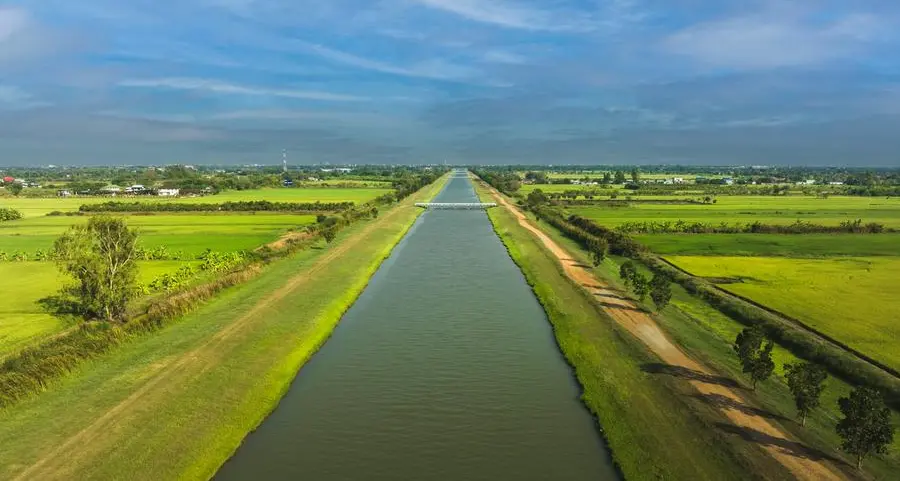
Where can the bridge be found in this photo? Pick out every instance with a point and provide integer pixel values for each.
(456, 205)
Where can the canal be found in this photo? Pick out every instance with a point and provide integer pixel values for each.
(445, 368)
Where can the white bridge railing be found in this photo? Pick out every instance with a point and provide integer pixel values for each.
(456, 205)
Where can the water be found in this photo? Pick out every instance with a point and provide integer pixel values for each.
(444, 369)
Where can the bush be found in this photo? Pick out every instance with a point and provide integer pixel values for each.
(7, 214)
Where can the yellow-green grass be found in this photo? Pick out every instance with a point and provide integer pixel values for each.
(806, 245)
(653, 427)
(23, 320)
(216, 373)
(853, 300)
(188, 233)
(707, 334)
(749, 209)
(30, 207)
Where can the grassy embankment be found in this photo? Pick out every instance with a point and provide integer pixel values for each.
(707, 335)
(653, 433)
(176, 404)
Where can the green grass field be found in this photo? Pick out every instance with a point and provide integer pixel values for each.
(39, 207)
(22, 318)
(213, 376)
(190, 233)
(851, 299)
(749, 209)
(806, 245)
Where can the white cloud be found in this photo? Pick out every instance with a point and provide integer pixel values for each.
(502, 56)
(434, 68)
(512, 15)
(771, 40)
(215, 86)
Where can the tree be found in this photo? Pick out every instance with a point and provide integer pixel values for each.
(806, 381)
(641, 286)
(635, 175)
(620, 177)
(866, 427)
(660, 291)
(536, 198)
(102, 257)
(756, 359)
(627, 271)
(599, 248)
(329, 234)
(607, 178)
(14, 188)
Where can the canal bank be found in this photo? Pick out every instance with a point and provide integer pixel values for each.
(445, 368)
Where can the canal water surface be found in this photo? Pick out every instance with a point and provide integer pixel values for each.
(444, 369)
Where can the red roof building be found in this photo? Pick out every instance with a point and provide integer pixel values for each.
(8, 180)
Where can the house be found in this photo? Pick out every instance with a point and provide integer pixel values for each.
(63, 193)
(835, 183)
(287, 183)
(728, 181)
(111, 189)
(677, 180)
(168, 192)
(135, 189)
(8, 180)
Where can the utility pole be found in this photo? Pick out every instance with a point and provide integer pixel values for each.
(284, 160)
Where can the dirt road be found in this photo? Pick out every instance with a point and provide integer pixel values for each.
(747, 419)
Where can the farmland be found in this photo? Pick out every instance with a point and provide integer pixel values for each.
(23, 319)
(189, 234)
(749, 209)
(36, 207)
(852, 299)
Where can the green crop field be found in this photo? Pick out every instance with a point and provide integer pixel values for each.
(781, 245)
(851, 299)
(23, 284)
(189, 233)
(749, 209)
(32, 207)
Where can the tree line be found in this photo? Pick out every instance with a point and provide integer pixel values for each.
(797, 227)
(865, 427)
(240, 206)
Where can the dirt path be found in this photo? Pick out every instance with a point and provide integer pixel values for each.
(747, 420)
(92, 441)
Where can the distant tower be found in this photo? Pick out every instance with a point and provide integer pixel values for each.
(284, 160)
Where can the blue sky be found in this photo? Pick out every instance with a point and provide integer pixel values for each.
(480, 81)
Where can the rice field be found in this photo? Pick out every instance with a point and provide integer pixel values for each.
(749, 209)
(34, 207)
(852, 299)
(777, 245)
(190, 233)
(23, 319)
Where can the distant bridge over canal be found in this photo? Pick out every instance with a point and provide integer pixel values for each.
(456, 205)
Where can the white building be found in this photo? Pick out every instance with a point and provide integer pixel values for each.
(135, 189)
(168, 192)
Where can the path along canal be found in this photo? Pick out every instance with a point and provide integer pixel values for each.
(444, 369)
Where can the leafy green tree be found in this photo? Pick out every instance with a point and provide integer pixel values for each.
(866, 427)
(14, 188)
(627, 271)
(536, 198)
(607, 178)
(756, 358)
(806, 381)
(329, 234)
(599, 248)
(660, 291)
(620, 177)
(641, 286)
(102, 257)
(635, 175)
